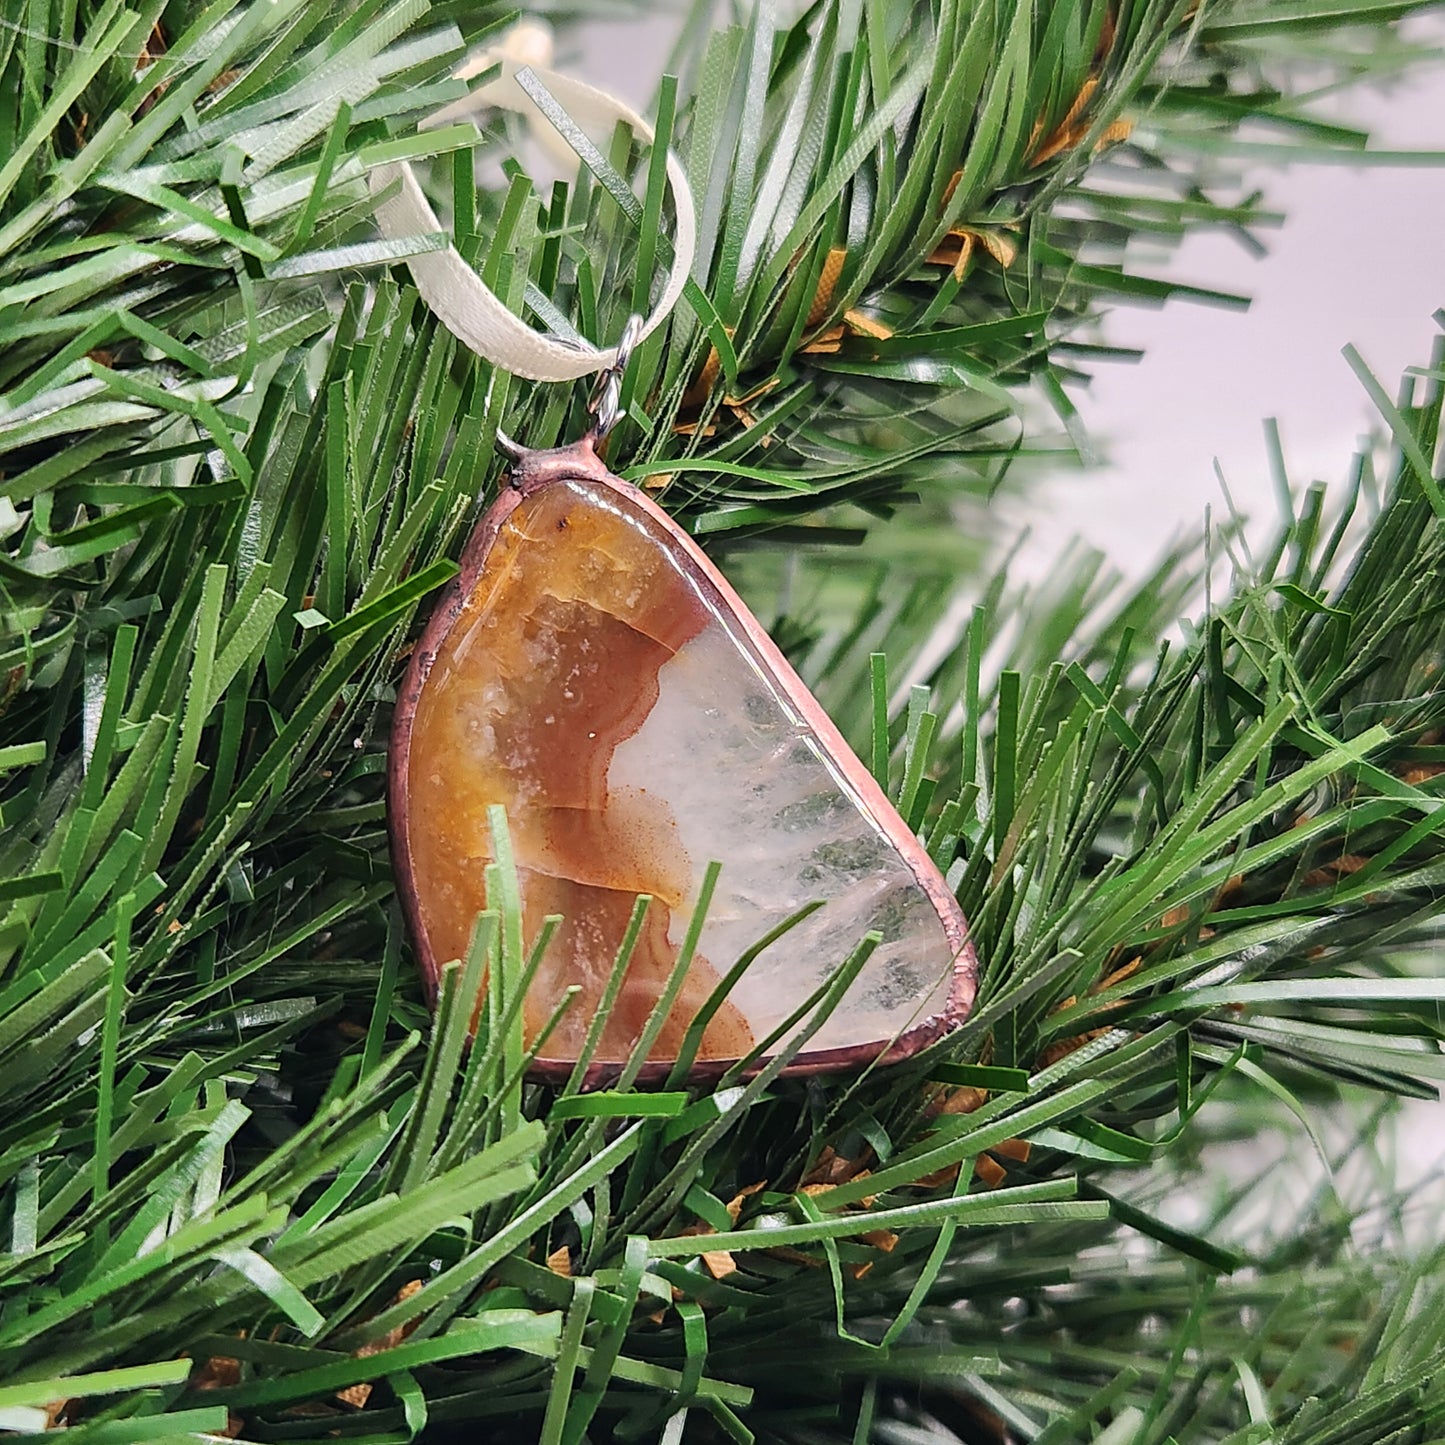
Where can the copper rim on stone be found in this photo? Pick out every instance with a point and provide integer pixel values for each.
(531, 472)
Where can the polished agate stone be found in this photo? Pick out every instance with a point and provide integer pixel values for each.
(592, 672)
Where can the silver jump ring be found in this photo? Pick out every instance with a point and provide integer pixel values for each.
(513, 451)
(605, 404)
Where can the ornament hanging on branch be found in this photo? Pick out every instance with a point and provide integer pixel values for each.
(593, 674)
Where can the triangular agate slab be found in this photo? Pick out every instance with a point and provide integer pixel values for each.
(590, 670)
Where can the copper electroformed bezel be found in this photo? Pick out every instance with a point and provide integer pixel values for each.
(530, 472)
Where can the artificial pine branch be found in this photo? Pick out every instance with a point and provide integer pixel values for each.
(232, 1166)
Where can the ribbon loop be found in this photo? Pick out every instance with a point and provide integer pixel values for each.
(461, 300)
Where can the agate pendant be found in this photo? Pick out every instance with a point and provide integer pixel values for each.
(590, 670)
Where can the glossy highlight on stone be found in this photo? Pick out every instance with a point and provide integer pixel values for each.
(591, 671)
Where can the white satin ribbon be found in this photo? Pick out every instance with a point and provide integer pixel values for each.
(462, 301)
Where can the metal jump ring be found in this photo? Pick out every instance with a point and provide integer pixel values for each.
(605, 403)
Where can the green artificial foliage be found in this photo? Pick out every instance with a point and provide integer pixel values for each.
(250, 1185)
